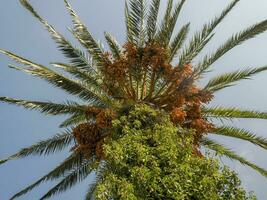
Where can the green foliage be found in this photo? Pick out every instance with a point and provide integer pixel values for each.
(222, 112)
(73, 177)
(69, 85)
(152, 19)
(47, 107)
(135, 17)
(241, 134)
(45, 147)
(232, 42)
(113, 45)
(85, 37)
(229, 79)
(201, 38)
(3, 161)
(166, 30)
(178, 41)
(79, 73)
(150, 158)
(74, 120)
(76, 56)
(70, 163)
(221, 150)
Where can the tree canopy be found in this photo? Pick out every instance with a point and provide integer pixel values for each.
(150, 158)
(153, 67)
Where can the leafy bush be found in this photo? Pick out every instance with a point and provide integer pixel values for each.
(150, 158)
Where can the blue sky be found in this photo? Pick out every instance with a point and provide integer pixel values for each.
(22, 34)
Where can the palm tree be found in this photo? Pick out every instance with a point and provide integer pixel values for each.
(153, 67)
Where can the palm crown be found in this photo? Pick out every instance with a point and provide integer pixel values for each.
(153, 67)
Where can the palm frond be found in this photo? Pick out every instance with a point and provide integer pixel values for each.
(73, 177)
(195, 46)
(222, 112)
(75, 55)
(91, 190)
(74, 120)
(70, 163)
(85, 37)
(71, 86)
(129, 29)
(178, 41)
(136, 20)
(74, 87)
(234, 41)
(201, 38)
(193, 49)
(45, 147)
(220, 149)
(47, 107)
(228, 79)
(152, 19)
(82, 74)
(241, 134)
(208, 28)
(100, 172)
(167, 28)
(113, 45)
(165, 21)
(3, 161)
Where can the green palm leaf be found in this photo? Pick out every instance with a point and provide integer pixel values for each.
(74, 120)
(76, 56)
(129, 29)
(241, 134)
(210, 144)
(193, 49)
(200, 39)
(208, 28)
(228, 79)
(222, 112)
(136, 20)
(45, 147)
(70, 163)
(73, 177)
(91, 190)
(178, 41)
(165, 21)
(85, 37)
(3, 161)
(71, 86)
(152, 19)
(82, 74)
(234, 41)
(169, 23)
(47, 107)
(114, 45)
(85, 79)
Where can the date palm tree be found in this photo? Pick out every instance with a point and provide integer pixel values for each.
(153, 67)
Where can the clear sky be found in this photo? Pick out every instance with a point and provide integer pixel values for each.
(22, 34)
